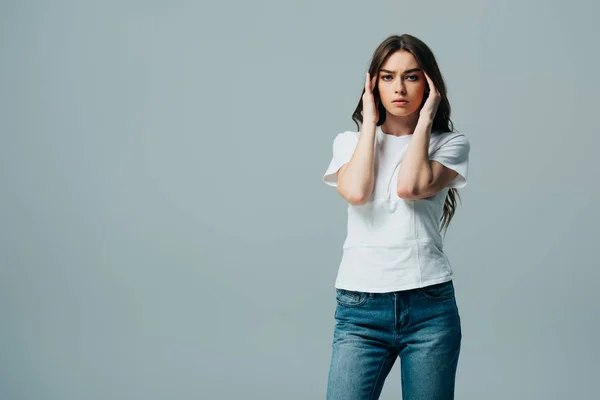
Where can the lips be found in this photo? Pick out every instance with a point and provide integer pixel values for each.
(400, 101)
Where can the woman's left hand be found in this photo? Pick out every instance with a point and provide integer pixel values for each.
(430, 107)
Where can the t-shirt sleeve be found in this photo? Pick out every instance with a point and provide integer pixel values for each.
(454, 154)
(343, 148)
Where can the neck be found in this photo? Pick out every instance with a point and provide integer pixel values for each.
(400, 126)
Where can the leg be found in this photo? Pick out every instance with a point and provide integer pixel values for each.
(361, 357)
(431, 345)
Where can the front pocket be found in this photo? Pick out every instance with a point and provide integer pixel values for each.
(350, 298)
(438, 291)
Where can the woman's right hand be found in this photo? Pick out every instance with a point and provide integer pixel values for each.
(370, 112)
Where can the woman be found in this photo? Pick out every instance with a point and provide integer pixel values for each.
(399, 174)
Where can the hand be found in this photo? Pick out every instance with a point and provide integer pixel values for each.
(430, 107)
(370, 112)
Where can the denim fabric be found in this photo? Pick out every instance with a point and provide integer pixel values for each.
(420, 326)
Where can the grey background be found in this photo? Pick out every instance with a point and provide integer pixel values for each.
(165, 230)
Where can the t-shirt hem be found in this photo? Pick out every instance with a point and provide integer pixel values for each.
(446, 278)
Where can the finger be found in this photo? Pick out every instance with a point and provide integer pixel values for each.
(428, 79)
(432, 87)
(368, 88)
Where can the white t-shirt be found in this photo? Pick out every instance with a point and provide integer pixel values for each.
(392, 243)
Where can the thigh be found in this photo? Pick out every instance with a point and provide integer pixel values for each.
(361, 357)
(431, 344)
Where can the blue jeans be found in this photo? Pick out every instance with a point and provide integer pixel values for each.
(420, 326)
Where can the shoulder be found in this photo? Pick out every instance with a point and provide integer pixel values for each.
(349, 134)
(446, 136)
(347, 137)
(439, 139)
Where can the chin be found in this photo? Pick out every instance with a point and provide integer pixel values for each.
(400, 112)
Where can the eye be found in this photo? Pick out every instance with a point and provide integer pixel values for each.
(383, 77)
(412, 78)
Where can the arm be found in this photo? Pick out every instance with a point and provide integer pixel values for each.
(356, 177)
(418, 177)
(415, 171)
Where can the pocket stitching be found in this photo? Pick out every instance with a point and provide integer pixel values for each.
(445, 297)
(358, 302)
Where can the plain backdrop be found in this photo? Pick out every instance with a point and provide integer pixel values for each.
(165, 231)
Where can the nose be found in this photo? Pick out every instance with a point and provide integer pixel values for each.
(399, 87)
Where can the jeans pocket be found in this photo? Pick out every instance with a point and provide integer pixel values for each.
(350, 298)
(438, 291)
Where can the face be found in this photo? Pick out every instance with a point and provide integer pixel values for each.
(400, 77)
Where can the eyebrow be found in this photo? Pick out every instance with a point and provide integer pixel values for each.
(406, 72)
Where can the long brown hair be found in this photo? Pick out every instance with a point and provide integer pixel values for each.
(441, 122)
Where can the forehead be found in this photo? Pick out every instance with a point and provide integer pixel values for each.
(400, 61)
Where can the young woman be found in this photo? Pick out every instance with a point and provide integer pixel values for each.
(399, 174)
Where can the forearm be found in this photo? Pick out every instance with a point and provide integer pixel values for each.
(358, 178)
(415, 169)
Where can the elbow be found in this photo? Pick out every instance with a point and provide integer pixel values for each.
(407, 193)
(356, 199)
